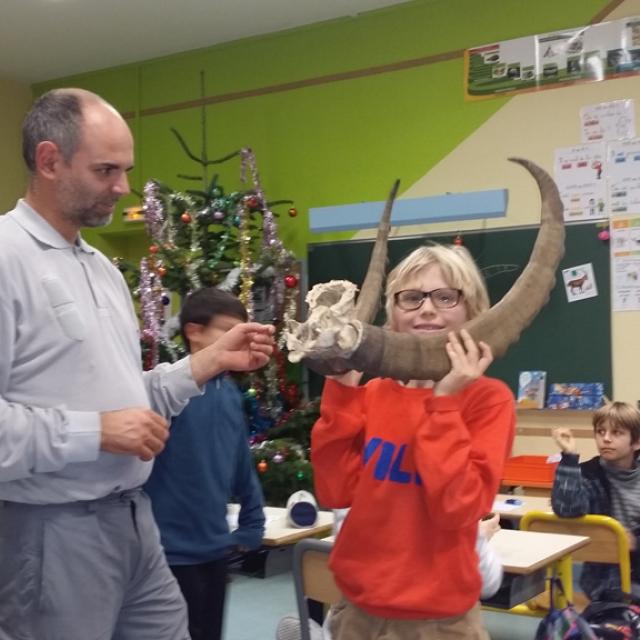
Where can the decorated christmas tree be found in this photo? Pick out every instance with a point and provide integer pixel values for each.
(207, 236)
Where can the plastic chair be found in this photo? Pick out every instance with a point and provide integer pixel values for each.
(609, 543)
(312, 578)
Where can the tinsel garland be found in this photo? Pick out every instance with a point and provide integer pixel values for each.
(272, 245)
(152, 313)
(283, 301)
(246, 272)
(153, 211)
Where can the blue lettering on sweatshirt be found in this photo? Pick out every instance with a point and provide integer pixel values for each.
(369, 450)
(388, 465)
(397, 474)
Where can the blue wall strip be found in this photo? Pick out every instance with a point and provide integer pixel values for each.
(453, 206)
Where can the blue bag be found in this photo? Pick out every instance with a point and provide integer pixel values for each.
(563, 624)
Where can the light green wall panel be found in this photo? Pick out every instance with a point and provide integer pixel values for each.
(336, 142)
(118, 85)
(15, 99)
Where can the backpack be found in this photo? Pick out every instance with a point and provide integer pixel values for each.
(614, 620)
(565, 623)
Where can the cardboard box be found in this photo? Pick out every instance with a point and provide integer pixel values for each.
(575, 395)
(576, 388)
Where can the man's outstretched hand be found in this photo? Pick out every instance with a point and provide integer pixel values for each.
(245, 347)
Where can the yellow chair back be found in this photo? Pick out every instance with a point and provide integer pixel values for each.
(608, 544)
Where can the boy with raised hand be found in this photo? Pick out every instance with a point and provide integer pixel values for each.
(608, 484)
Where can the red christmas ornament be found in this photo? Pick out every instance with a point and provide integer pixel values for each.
(293, 212)
(185, 217)
(290, 281)
(253, 202)
(154, 248)
(458, 241)
(262, 466)
(162, 272)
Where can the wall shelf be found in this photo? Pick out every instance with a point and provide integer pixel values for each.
(539, 422)
(556, 413)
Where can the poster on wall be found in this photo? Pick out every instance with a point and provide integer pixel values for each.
(625, 264)
(623, 185)
(550, 60)
(580, 173)
(613, 120)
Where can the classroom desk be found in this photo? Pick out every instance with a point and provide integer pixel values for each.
(277, 533)
(275, 554)
(515, 512)
(526, 557)
(524, 552)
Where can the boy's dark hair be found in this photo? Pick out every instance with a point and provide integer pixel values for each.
(203, 305)
(620, 414)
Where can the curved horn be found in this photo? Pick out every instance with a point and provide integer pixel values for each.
(406, 356)
(369, 298)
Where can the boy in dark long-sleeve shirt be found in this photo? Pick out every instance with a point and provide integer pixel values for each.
(608, 484)
(205, 462)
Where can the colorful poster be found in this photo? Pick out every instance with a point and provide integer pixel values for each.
(550, 60)
(608, 121)
(623, 184)
(625, 264)
(560, 54)
(501, 65)
(580, 173)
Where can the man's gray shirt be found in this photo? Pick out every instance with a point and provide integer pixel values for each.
(69, 349)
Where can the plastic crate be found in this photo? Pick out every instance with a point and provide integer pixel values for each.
(529, 471)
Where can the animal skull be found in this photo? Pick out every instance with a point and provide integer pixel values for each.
(332, 329)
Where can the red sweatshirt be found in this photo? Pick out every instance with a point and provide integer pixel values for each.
(418, 472)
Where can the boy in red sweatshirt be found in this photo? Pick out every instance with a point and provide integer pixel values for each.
(419, 463)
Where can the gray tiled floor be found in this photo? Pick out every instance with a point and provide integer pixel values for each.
(255, 605)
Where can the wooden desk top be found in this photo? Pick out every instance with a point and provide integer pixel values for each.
(527, 551)
(524, 552)
(277, 532)
(515, 512)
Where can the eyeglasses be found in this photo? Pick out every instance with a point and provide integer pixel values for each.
(412, 299)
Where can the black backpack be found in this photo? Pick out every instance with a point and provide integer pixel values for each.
(613, 620)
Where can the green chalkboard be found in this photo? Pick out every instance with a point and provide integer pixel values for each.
(570, 341)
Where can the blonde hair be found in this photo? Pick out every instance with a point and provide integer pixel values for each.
(619, 414)
(458, 269)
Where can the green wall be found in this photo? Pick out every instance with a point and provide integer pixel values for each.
(331, 142)
(15, 99)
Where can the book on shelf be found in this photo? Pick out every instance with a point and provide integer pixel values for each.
(531, 388)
